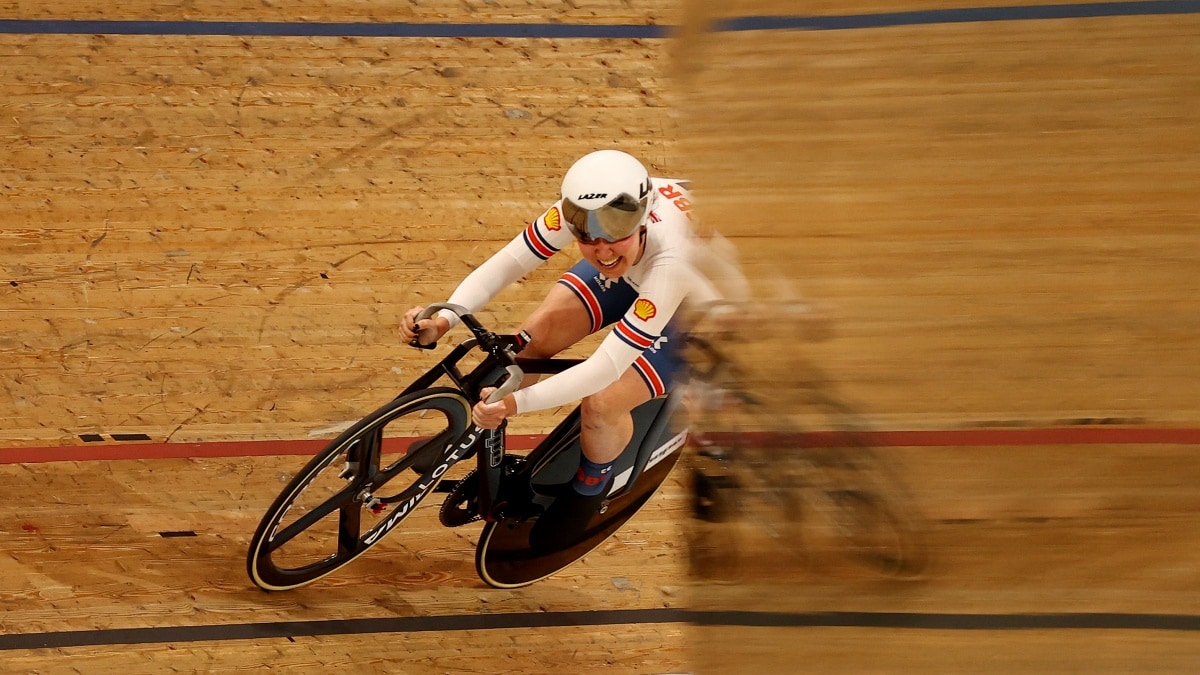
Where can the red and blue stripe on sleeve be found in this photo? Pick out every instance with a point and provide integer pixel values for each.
(537, 242)
(633, 336)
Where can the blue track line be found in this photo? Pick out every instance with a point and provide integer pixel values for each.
(963, 15)
(523, 620)
(595, 31)
(273, 29)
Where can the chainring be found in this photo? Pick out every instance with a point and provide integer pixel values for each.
(462, 504)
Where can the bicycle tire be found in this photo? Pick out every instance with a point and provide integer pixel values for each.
(711, 532)
(879, 519)
(866, 504)
(286, 555)
(876, 535)
(504, 558)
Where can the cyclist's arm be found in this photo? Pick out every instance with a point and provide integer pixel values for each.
(716, 258)
(541, 239)
(711, 254)
(637, 330)
(599, 370)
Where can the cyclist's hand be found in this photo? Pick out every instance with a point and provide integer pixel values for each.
(427, 331)
(492, 415)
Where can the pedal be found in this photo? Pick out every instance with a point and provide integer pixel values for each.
(519, 512)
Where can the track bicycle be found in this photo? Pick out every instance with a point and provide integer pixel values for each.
(797, 467)
(376, 473)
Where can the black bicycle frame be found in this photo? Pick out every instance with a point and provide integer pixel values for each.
(490, 446)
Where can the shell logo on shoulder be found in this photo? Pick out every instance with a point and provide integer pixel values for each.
(553, 220)
(644, 309)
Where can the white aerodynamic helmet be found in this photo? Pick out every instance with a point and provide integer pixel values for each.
(606, 195)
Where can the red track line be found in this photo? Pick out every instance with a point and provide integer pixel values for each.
(141, 450)
(1026, 437)
(919, 439)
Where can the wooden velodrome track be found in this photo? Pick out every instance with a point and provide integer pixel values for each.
(208, 239)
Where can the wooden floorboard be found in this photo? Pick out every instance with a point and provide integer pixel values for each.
(211, 238)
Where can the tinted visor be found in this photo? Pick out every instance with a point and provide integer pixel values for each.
(612, 222)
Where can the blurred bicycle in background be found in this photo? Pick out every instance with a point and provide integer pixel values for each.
(782, 469)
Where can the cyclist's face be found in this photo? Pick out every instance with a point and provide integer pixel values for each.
(613, 258)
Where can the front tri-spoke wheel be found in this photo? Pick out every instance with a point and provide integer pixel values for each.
(358, 488)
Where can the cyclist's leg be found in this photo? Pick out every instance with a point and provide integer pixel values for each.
(570, 312)
(605, 419)
(559, 322)
(606, 427)
(581, 303)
